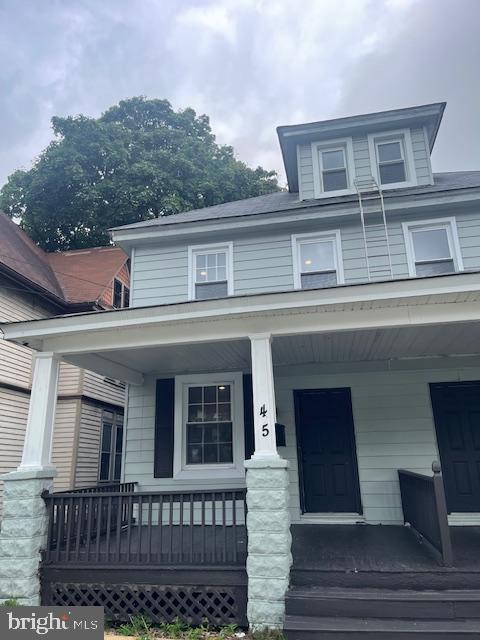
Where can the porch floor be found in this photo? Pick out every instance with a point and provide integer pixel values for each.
(377, 548)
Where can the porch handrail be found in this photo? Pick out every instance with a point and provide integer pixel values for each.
(108, 487)
(425, 509)
(146, 528)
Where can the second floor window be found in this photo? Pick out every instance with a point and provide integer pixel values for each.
(121, 294)
(317, 260)
(210, 272)
(432, 247)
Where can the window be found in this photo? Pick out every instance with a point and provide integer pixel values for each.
(111, 447)
(317, 260)
(332, 167)
(210, 272)
(392, 159)
(209, 429)
(209, 425)
(121, 295)
(432, 247)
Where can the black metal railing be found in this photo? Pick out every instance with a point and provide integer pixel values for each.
(425, 509)
(146, 528)
(108, 487)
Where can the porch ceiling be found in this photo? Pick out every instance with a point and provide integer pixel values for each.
(341, 347)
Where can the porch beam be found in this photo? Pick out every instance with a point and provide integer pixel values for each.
(37, 448)
(264, 409)
(106, 367)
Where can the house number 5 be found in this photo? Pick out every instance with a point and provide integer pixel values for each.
(265, 429)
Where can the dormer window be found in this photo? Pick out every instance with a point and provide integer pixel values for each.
(391, 157)
(332, 167)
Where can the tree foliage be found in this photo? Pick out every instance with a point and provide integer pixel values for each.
(139, 160)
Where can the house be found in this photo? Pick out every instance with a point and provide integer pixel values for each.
(311, 355)
(33, 285)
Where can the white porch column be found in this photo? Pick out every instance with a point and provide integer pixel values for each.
(268, 518)
(24, 518)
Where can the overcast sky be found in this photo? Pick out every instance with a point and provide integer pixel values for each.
(249, 64)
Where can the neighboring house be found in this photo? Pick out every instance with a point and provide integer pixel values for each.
(325, 339)
(35, 284)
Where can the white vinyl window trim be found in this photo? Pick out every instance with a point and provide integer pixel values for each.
(344, 144)
(214, 470)
(196, 250)
(404, 137)
(448, 224)
(333, 237)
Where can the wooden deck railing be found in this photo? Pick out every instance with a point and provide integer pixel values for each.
(146, 528)
(424, 508)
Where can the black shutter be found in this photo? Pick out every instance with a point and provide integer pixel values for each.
(164, 417)
(248, 415)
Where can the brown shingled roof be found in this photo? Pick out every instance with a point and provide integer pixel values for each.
(72, 277)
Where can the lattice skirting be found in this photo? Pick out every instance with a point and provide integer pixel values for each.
(193, 605)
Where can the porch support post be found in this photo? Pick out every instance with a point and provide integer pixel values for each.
(24, 517)
(268, 518)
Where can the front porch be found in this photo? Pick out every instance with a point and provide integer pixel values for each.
(185, 533)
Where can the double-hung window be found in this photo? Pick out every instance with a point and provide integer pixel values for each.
(210, 272)
(317, 260)
(111, 447)
(391, 157)
(209, 429)
(121, 294)
(332, 167)
(432, 247)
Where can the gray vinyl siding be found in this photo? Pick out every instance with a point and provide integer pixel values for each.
(63, 450)
(88, 450)
(362, 162)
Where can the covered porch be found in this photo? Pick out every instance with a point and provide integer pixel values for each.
(368, 354)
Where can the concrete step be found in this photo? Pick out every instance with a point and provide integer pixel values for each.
(310, 628)
(383, 603)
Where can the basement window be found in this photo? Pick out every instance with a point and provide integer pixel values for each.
(432, 247)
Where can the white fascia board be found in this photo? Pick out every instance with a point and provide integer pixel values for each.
(393, 203)
(188, 320)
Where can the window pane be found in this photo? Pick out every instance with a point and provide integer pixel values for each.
(224, 393)
(333, 159)
(194, 454)
(210, 433)
(224, 411)
(119, 440)
(195, 395)
(434, 268)
(221, 273)
(318, 280)
(389, 151)
(210, 453)
(126, 297)
(210, 394)
(194, 433)
(221, 259)
(117, 470)
(195, 413)
(201, 275)
(335, 180)
(225, 453)
(107, 437)
(213, 290)
(430, 244)
(390, 173)
(225, 432)
(117, 294)
(316, 256)
(104, 466)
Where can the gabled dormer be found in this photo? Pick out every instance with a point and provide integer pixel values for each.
(327, 159)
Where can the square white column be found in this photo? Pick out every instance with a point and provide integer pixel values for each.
(37, 448)
(264, 409)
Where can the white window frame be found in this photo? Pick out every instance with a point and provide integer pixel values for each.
(404, 137)
(322, 236)
(449, 224)
(332, 145)
(193, 250)
(208, 471)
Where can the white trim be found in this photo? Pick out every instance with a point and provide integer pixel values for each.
(322, 236)
(449, 224)
(332, 518)
(214, 247)
(427, 151)
(329, 145)
(131, 275)
(234, 470)
(464, 519)
(404, 136)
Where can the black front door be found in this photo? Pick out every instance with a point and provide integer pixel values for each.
(326, 451)
(456, 410)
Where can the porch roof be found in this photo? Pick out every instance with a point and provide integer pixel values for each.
(131, 342)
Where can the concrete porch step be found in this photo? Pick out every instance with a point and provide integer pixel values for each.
(309, 628)
(383, 603)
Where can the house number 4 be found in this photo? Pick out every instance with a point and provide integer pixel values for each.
(265, 429)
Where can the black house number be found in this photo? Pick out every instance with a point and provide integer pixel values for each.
(265, 429)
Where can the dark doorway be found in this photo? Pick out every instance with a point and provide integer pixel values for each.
(326, 451)
(456, 410)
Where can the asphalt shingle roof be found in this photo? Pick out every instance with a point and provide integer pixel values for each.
(284, 201)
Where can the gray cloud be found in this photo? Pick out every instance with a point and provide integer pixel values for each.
(249, 64)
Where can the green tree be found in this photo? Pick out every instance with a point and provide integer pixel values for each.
(139, 160)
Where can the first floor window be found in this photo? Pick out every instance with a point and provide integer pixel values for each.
(318, 261)
(209, 433)
(111, 447)
(210, 269)
(432, 248)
